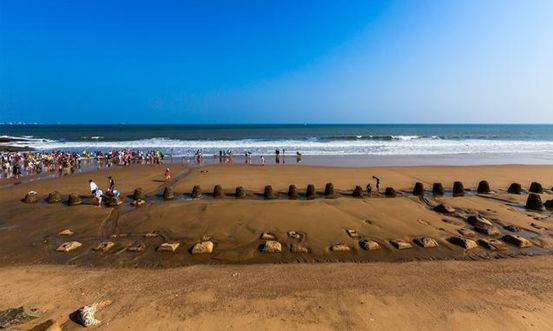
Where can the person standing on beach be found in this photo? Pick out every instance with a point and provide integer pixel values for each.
(167, 174)
(93, 187)
(262, 160)
(377, 184)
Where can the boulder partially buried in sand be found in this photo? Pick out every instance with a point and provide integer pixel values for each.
(483, 225)
(204, 247)
(168, 247)
(444, 209)
(492, 244)
(390, 192)
(292, 192)
(104, 246)
(458, 189)
(536, 187)
(74, 199)
(340, 248)
(196, 192)
(168, 193)
(268, 192)
(358, 192)
(66, 232)
(30, 197)
(515, 188)
(272, 246)
(49, 325)
(400, 244)
(218, 192)
(136, 247)
(54, 197)
(68, 246)
(267, 236)
(418, 190)
(438, 189)
(85, 316)
(16, 316)
(239, 193)
(515, 239)
(329, 190)
(463, 242)
(114, 201)
(548, 204)
(310, 193)
(369, 245)
(534, 202)
(426, 242)
(466, 232)
(483, 187)
(298, 248)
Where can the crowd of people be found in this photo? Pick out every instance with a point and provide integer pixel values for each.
(17, 164)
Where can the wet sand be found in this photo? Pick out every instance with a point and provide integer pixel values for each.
(295, 295)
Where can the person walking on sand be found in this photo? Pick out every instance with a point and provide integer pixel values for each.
(262, 160)
(167, 174)
(377, 184)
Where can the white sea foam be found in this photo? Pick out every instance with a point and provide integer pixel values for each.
(407, 145)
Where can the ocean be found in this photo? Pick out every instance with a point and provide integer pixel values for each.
(515, 143)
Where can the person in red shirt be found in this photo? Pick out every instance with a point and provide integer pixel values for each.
(167, 174)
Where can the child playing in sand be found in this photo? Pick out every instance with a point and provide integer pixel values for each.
(167, 174)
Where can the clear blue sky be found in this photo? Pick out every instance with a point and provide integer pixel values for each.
(276, 61)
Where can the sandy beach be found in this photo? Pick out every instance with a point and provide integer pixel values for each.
(239, 286)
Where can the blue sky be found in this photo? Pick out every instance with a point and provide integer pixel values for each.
(276, 62)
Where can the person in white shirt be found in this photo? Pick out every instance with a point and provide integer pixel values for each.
(93, 186)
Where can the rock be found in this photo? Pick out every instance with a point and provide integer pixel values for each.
(534, 202)
(294, 235)
(168, 247)
(196, 192)
(66, 232)
(517, 240)
(31, 197)
(358, 192)
(85, 316)
(168, 193)
(114, 201)
(512, 228)
(139, 194)
(536, 187)
(74, 199)
(548, 204)
(340, 248)
(444, 209)
(483, 187)
(137, 203)
(268, 192)
(488, 230)
(478, 220)
(298, 248)
(54, 197)
(310, 193)
(292, 192)
(136, 247)
(204, 247)
(438, 189)
(49, 325)
(463, 242)
(240, 193)
(104, 246)
(218, 192)
(515, 188)
(426, 242)
(329, 190)
(352, 233)
(390, 192)
(20, 315)
(400, 244)
(458, 189)
(466, 232)
(537, 226)
(492, 244)
(151, 235)
(267, 236)
(418, 190)
(369, 245)
(272, 246)
(68, 246)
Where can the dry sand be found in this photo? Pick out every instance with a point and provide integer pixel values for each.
(178, 290)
